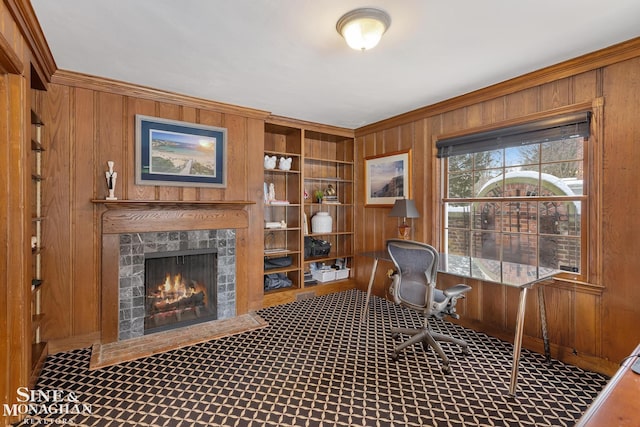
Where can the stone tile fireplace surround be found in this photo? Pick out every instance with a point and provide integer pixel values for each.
(134, 246)
(121, 218)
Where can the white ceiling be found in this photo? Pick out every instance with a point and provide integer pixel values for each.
(286, 57)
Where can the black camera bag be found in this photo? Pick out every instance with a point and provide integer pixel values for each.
(279, 262)
(316, 247)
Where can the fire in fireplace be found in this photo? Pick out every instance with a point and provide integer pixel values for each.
(180, 288)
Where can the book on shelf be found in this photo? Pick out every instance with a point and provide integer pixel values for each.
(275, 251)
(330, 200)
(278, 202)
(274, 224)
(308, 279)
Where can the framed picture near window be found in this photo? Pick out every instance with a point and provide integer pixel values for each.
(174, 153)
(387, 178)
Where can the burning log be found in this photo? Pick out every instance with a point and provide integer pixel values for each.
(161, 305)
(175, 295)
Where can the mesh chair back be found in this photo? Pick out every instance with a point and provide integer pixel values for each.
(417, 265)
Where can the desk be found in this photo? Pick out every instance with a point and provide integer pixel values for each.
(517, 275)
(617, 403)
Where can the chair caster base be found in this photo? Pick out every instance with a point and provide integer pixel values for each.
(466, 351)
(446, 369)
(394, 356)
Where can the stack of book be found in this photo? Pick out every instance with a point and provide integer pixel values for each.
(330, 200)
(273, 251)
(308, 279)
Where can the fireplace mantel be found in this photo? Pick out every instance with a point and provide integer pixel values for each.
(138, 216)
(179, 204)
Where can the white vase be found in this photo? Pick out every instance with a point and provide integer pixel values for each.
(321, 222)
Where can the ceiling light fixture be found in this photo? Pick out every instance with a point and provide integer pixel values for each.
(363, 28)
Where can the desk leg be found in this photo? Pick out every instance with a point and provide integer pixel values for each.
(517, 342)
(543, 324)
(365, 309)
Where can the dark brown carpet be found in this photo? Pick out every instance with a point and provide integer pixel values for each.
(317, 365)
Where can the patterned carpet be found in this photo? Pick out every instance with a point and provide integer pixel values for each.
(317, 365)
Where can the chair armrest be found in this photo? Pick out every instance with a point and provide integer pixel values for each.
(456, 290)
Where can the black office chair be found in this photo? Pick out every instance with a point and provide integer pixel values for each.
(414, 286)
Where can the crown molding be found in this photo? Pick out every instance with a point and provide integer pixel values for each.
(102, 84)
(588, 62)
(310, 126)
(25, 18)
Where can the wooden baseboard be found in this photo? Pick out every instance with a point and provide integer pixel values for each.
(563, 354)
(73, 343)
(284, 296)
(38, 356)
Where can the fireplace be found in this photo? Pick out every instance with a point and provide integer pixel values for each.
(205, 260)
(180, 288)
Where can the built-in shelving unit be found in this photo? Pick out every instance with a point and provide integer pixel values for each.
(329, 162)
(283, 215)
(39, 347)
(318, 160)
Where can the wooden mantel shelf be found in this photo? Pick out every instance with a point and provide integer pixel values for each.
(179, 204)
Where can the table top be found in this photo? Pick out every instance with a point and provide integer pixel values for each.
(617, 403)
(489, 270)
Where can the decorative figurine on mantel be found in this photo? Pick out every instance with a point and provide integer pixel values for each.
(111, 176)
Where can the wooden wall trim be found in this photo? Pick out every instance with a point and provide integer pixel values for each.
(116, 87)
(142, 221)
(600, 58)
(15, 254)
(572, 108)
(317, 127)
(596, 183)
(25, 18)
(9, 60)
(73, 343)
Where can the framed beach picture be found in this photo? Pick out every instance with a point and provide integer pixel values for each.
(387, 178)
(175, 153)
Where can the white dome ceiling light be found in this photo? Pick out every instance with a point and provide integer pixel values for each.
(363, 28)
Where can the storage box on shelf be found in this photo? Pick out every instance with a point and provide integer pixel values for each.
(324, 275)
(342, 274)
(330, 274)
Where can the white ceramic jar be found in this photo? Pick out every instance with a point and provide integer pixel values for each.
(321, 222)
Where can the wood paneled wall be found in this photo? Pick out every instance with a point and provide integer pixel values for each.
(90, 121)
(15, 270)
(590, 324)
(620, 306)
(17, 63)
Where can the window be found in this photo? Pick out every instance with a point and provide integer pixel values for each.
(517, 194)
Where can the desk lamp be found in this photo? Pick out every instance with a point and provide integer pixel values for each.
(404, 208)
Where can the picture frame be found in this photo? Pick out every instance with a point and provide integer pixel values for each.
(387, 178)
(176, 153)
